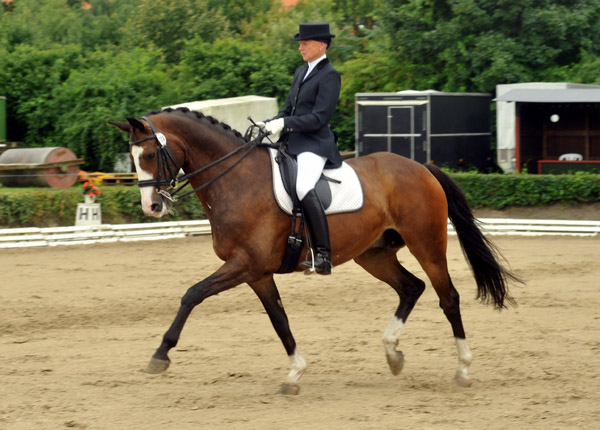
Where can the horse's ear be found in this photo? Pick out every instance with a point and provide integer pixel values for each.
(136, 123)
(123, 126)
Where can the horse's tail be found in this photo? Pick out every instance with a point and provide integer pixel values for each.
(491, 277)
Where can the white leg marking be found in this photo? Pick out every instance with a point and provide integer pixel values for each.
(298, 365)
(391, 339)
(464, 361)
(143, 175)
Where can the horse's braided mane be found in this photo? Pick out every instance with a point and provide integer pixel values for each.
(200, 115)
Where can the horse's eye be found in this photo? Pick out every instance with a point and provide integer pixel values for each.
(150, 157)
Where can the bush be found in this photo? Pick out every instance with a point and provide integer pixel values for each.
(51, 207)
(498, 191)
(45, 207)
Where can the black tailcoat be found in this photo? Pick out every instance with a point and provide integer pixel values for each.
(307, 111)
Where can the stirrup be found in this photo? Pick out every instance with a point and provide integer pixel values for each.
(310, 266)
(310, 269)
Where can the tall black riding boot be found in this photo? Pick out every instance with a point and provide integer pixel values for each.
(317, 223)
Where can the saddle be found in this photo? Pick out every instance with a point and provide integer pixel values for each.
(288, 168)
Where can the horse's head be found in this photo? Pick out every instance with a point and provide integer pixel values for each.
(157, 161)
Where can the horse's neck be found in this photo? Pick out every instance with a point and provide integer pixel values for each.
(211, 146)
(207, 145)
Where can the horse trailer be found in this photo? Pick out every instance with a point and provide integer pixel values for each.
(446, 129)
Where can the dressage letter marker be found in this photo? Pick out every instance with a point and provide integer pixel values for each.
(88, 214)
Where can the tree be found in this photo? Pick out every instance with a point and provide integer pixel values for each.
(43, 23)
(168, 24)
(472, 45)
(65, 70)
(230, 67)
(240, 12)
(586, 71)
(28, 75)
(111, 86)
(359, 14)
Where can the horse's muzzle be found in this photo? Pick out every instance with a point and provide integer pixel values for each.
(156, 205)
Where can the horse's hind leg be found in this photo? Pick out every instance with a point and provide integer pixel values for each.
(450, 304)
(434, 263)
(383, 264)
(267, 292)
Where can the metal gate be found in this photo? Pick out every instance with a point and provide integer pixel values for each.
(398, 127)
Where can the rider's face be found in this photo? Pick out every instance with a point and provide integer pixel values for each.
(311, 49)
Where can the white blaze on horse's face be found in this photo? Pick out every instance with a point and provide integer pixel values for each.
(147, 193)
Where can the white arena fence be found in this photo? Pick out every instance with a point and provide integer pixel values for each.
(102, 233)
(106, 233)
(536, 227)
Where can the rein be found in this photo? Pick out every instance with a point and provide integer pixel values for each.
(165, 161)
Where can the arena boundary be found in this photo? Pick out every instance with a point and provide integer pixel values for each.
(105, 233)
(102, 233)
(536, 227)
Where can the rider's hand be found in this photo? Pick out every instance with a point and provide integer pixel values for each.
(275, 126)
(260, 124)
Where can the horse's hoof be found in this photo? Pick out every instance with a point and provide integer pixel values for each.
(461, 381)
(289, 389)
(157, 365)
(395, 361)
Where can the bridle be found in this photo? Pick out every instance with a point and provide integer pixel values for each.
(166, 176)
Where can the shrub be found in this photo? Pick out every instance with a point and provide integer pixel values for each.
(50, 207)
(45, 207)
(498, 191)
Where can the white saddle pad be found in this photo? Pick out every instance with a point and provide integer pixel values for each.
(346, 196)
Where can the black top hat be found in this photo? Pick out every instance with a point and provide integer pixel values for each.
(314, 31)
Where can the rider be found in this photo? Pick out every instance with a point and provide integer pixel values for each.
(304, 121)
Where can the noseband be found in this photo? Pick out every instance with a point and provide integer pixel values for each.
(167, 177)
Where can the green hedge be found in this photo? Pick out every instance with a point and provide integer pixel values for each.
(44, 207)
(49, 207)
(499, 191)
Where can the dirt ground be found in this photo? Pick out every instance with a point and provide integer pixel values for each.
(79, 323)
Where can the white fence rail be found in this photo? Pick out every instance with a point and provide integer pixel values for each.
(33, 236)
(78, 235)
(536, 227)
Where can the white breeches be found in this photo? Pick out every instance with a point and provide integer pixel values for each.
(310, 167)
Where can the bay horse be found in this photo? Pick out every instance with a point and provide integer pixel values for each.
(407, 204)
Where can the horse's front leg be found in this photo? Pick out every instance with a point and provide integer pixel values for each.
(228, 276)
(267, 292)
